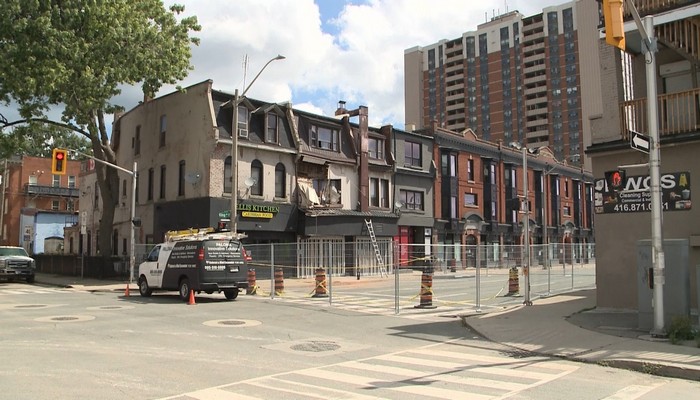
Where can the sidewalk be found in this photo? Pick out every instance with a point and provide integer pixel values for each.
(570, 327)
(567, 326)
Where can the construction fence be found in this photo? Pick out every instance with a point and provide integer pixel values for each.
(413, 278)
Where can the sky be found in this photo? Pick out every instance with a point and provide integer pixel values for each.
(349, 50)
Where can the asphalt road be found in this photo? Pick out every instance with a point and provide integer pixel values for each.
(65, 344)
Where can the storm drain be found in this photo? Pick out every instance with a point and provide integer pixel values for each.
(66, 318)
(518, 354)
(232, 323)
(316, 346)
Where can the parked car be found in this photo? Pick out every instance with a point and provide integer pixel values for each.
(15, 263)
(201, 262)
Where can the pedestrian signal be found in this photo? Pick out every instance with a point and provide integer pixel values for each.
(616, 180)
(59, 161)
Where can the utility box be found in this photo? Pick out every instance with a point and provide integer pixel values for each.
(677, 282)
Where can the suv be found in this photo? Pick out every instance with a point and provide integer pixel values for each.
(16, 263)
(203, 263)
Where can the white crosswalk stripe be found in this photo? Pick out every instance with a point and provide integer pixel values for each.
(37, 290)
(443, 371)
(369, 305)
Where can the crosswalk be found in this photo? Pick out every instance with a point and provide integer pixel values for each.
(31, 290)
(379, 305)
(443, 371)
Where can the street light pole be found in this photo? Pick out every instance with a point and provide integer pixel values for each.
(234, 147)
(526, 233)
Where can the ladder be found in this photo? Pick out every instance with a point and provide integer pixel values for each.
(377, 253)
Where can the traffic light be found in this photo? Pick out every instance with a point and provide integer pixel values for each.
(513, 204)
(223, 225)
(616, 180)
(59, 161)
(614, 23)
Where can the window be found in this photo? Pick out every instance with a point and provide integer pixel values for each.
(412, 200)
(161, 137)
(150, 184)
(471, 200)
(71, 181)
(124, 188)
(242, 120)
(271, 135)
(55, 204)
(412, 154)
(56, 181)
(280, 181)
(453, 165)
(228, 178)
(567, 211)
(181, 179)
(137, 141)
(470, 170)
(379, 192)
(566, 189)
(256, 172)
(375, 148)
(324, 138)
(32, 179)
(162, 181)
(328, 190)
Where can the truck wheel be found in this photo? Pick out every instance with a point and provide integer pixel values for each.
(231, 294)
(144, 289)
(185, 289)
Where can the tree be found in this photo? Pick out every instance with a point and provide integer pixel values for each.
(77, 54)
(38, 140)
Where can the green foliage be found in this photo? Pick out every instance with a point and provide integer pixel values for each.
(681, 329)
(38, 140)
(77, 54)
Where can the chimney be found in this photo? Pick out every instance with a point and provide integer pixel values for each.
(341, 108)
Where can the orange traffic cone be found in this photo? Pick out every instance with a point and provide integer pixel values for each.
(126, 292)
(191, 301)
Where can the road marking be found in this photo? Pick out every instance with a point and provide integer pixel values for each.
(632, 392)
(415, 372)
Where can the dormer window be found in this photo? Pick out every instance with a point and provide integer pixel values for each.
(242, 121)
(375, 148)
(271, 135)
(324, 138)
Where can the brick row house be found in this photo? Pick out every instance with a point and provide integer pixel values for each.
(326, 186)
(37, 206)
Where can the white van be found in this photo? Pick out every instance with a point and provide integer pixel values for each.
(206, 263)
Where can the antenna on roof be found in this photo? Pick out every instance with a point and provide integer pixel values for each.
(245, 68)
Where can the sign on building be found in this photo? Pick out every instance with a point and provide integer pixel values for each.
(636, 196)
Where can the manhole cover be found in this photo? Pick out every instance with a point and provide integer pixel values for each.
(66, 318)
(30, 306)
(316, 346)
(110, 308)
(232, 322)
(238, 323)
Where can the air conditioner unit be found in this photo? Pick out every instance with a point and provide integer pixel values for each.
(243, 133)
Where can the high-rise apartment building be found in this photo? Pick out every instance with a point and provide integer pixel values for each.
(515, 79)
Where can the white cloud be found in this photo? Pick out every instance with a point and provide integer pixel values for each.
(362, 64)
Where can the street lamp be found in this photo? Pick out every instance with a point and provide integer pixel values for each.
(526, 222)
(234, 147)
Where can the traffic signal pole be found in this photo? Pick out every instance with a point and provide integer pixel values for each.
(134, 174)
(658, 257)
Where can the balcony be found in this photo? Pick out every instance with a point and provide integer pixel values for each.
(678, 113)
(57, 191)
